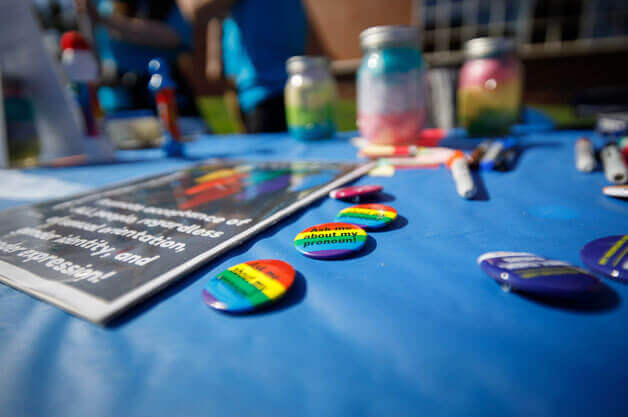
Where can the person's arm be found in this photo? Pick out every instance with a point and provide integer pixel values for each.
(133, 30)
(202, 11)
(206, 17)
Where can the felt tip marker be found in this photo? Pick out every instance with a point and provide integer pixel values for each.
(478, 153)
(462, 175)
(584, 155)
(382, 151)
(506, 159)
(492, 153)
(614, 168)
(619, 191)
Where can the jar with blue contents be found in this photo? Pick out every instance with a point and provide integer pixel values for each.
(310, 97)
(391, 85)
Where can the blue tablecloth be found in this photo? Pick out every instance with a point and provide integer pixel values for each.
(411, 327)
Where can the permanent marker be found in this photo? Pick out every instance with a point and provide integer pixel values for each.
(488, 160)
(614, 167)
(381, 151)
(478, 153)
(584, 155)
(462, 175)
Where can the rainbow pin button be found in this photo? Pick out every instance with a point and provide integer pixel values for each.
(330, 240)
(249, 286)
(355, 192)
(368, 216)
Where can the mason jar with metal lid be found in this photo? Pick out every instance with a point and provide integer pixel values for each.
(391, 85)
(489, 87)
(310, 96)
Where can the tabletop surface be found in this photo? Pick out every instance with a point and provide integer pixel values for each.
(412, 326)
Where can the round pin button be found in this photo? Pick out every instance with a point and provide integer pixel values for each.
(249, 286)
(534, 274)
(607, 256)
(368, 216)
(356, 191)
(330, 240)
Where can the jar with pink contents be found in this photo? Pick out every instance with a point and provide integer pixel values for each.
(489, 87)
(391, 84)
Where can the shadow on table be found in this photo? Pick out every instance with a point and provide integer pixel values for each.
(292, 299)
(399, 223)
(523, 148)
(380, 197)
(481, 193)
(606, 299)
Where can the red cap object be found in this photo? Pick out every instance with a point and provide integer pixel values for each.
(457, 154)
(73, 40)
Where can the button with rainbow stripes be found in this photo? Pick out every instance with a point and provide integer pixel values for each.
(330, 240)
(368, 216)
(249, 286)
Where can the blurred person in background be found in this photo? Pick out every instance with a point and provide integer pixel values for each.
(128, 34)
(258, 36)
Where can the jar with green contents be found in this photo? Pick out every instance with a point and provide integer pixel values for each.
(310, 97)
(489, 88)
(19, 116)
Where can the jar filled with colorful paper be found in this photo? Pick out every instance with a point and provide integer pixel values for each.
(489, 87)
(310, 97)
(391, 85)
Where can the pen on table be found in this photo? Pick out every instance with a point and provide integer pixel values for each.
(381, 151)
(478, 153)
(585, 155)
(614, 168)
(488, 160)
(506, 159)
(462, 175)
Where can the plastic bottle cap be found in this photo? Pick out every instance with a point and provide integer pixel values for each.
(249, 286)
(73, 40)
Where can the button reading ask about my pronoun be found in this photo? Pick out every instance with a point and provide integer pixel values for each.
(368, 216)
(249, 286)
(330, 240)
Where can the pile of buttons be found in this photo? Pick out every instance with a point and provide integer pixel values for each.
(254, 285)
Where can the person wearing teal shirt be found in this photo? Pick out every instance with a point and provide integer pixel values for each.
(258, 36)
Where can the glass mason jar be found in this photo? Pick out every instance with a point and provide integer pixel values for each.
(21, 131)
(489, 87)
(310, 97)
(391, 85)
